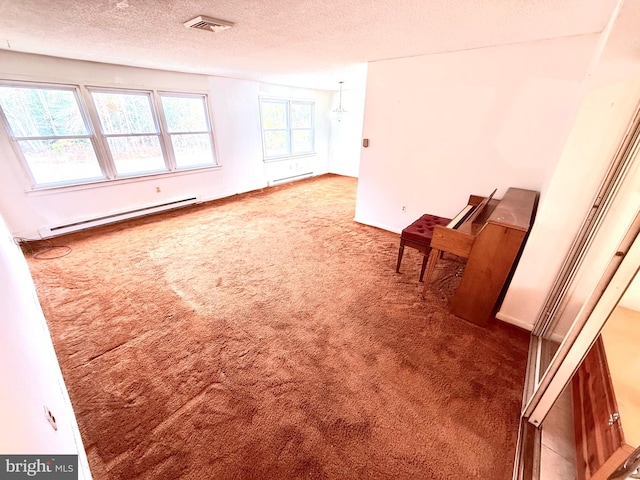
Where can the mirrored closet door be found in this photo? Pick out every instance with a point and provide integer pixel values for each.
(598, 270)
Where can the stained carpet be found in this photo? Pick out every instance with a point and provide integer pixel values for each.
(267, 336)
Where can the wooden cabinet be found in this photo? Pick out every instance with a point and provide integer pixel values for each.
(600, 445)
(606, 400)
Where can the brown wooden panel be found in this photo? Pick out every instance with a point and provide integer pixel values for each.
(431, 265)
(492, 244)
(613, 462)
(477, 220)
(593, 403)
(452, 241)
(488, 267)
(475, 199)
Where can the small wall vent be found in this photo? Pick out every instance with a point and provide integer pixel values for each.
(207, 23)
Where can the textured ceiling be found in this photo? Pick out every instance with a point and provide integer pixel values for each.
(309, 43)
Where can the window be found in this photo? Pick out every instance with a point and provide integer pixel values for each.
(54, 137)
(135, 133)
(301, 127)
(287, 128)
(188, 128)
(131, 131)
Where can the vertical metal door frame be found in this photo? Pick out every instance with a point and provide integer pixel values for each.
(621, 271)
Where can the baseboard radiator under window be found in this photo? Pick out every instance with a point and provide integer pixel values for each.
(117, 217)
(293, 178)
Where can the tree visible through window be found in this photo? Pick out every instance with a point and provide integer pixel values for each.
(131, 131)
(287, 128)
(140, 132)
(188, 128)
(301, 127)
(51, 132)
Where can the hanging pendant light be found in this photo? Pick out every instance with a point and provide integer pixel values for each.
(339, 112)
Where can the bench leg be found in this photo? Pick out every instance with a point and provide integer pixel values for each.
(400, 253)
(424, 263)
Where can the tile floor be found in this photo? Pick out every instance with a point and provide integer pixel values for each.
(558, 456)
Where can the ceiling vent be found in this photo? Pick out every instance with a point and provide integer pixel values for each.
(207, 23)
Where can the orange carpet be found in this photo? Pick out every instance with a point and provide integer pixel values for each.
(267, 336)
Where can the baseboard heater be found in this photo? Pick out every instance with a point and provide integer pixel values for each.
(290, 179)
(116, 217)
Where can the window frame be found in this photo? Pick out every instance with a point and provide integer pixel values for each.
(289, 128)
(311, 128)
(15, 140)
(104, 137)
(169, 135)
(98, 139)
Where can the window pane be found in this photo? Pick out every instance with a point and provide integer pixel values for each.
(37, 112)
(274, 115)
(185, 114)
(301, 115)
(192, 150)
(302, 141)
(276, 143)
(124, 112)
(53, 161)
(136, 154)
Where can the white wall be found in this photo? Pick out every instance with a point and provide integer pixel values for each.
(602, 122)
(346, 134)
(442, 127)
(611, 94)
(236, 119)
(29, 371)
(545, 115)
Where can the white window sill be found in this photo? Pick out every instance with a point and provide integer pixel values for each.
(289, 157)
(38, 191)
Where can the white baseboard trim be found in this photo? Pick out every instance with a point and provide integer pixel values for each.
(292, 178)
(556, 337)
(378, 225)
(514, 321)
(26, 235)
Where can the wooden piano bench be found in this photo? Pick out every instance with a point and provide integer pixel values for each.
(418, 235)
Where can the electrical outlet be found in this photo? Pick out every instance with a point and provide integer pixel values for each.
(50, 418)
(404, 209)
(157, 189)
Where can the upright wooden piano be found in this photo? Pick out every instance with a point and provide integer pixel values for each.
(489, 233)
